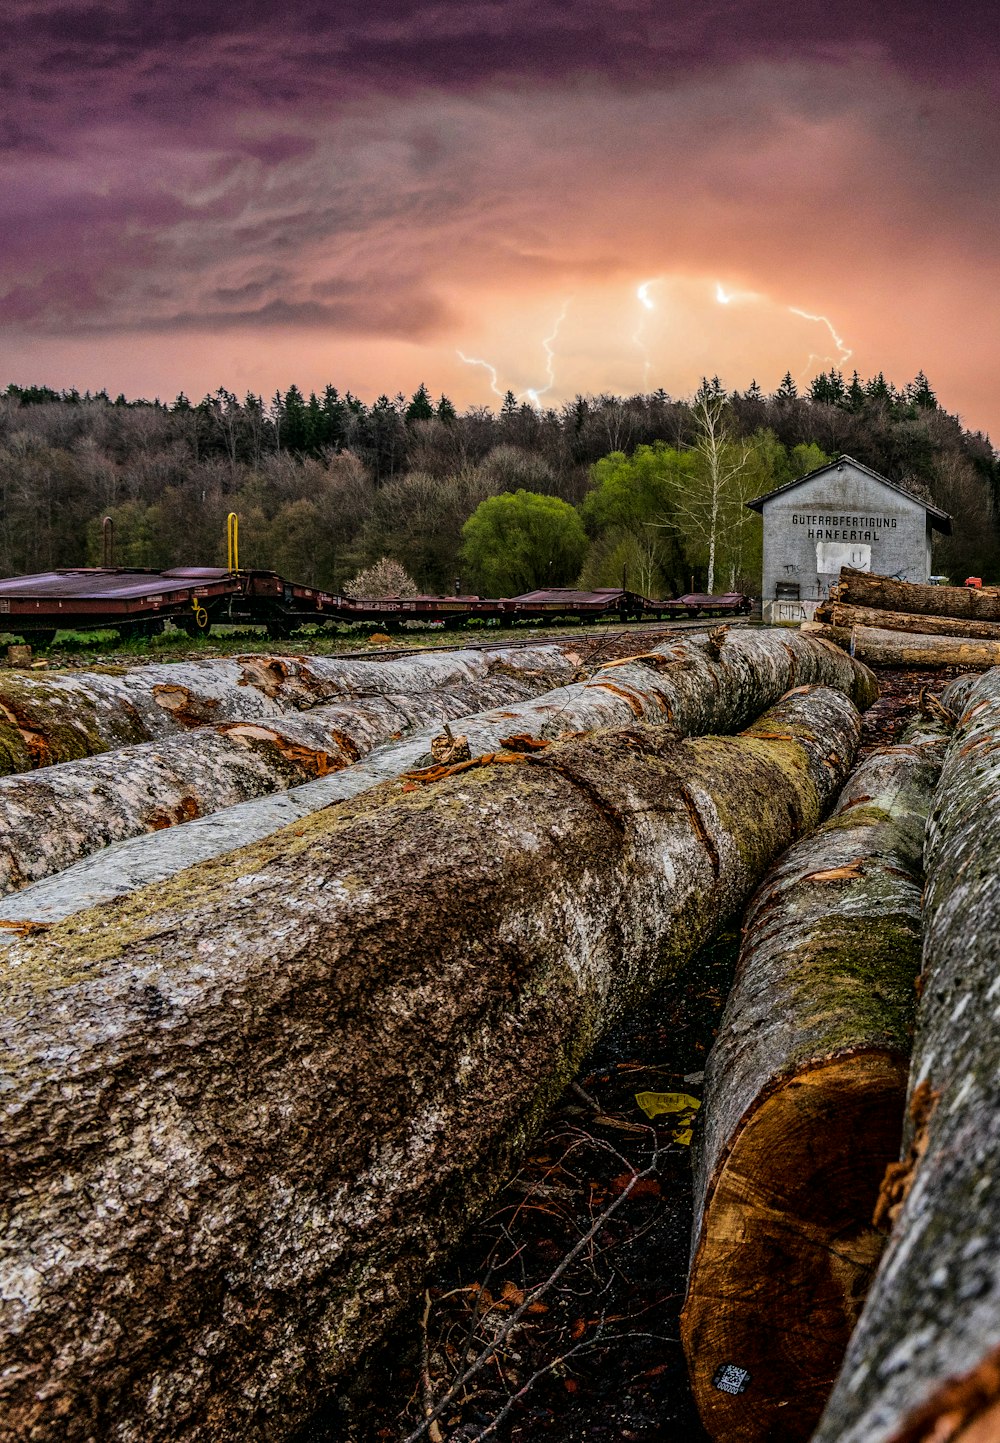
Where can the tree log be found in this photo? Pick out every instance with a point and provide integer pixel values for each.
(898, 648)
(957, 692)
(924, 1362)
(885, 593)
(57, 718)
(804, 1098)
(682, 685)
(52, 817)
(245, 1113)
(837, 613)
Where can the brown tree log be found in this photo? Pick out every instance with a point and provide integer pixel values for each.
(898, 648)
(56, 718)
(924, 1362)
(838, 613)
(804, 1097)
(52, 817)
(885, 593)
(684, 685)
(245, 1113)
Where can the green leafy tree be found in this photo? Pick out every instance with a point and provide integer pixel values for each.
(520, 541)
(631, 516)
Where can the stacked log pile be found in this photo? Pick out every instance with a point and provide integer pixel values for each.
(690, 686)
(886, 622)
(50, 719)
(53, 816)
(247, 1109)
(924, 1363)
(803, 1109)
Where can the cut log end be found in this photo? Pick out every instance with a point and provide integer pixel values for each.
(786, 1254)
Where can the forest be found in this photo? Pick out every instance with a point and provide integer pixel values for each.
(646, 487)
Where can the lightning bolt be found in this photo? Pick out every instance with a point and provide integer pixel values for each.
(638, 336)
(487, 366)
(548, 344)
(534, 394)
(845, 351)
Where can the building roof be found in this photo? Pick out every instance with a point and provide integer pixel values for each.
(939, 519)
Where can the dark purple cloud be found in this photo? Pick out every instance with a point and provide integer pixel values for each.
(387, 170)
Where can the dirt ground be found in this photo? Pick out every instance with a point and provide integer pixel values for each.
(563, 1307)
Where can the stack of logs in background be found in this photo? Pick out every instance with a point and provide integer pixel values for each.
(299, 952)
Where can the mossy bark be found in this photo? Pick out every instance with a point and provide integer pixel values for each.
(803, 1109)
(923, 1362)
(838, 613)
(687, 686)
(884, 593)
(247, 1111)
(876, 647)
(62, 717)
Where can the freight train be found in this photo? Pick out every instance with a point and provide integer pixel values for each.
(138, 602)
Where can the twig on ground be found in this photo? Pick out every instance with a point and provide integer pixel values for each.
(533, 1296)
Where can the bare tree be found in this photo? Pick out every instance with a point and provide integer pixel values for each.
(712, 499)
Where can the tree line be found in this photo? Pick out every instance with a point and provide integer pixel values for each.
(646, 487)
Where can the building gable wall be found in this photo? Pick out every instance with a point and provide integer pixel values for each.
(841, 517)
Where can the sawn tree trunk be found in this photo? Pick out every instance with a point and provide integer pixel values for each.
(864, 588)
(837, 613)
(246, 1112)
(687, 686)
(924, 1362)
(899, 648)
(803, 1109)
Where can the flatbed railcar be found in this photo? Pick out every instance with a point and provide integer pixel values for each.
(138, 601)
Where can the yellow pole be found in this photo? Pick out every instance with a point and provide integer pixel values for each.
(233, 538)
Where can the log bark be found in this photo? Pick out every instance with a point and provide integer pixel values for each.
(57, 815)
(804, 1098)
(923, 1363)
(245, 1113)
(57, 718)
(957, 693)
(838, 613)
(684, 685)
(897, 648)
(884, 593)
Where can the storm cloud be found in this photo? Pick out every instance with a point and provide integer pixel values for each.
(363, 195)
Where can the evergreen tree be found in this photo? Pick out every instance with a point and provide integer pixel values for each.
(920, 395)
(420, 407)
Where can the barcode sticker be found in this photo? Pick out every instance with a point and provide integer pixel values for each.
(731, 1378)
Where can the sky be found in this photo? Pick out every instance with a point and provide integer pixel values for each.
(551, 196)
